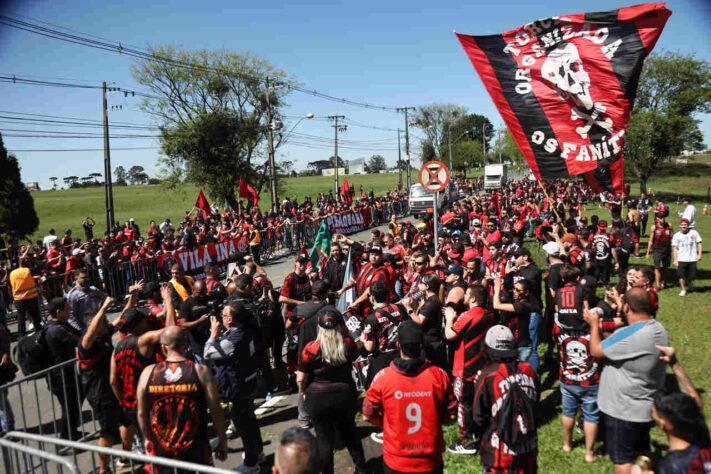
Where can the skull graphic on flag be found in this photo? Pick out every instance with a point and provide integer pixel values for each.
(565, 87)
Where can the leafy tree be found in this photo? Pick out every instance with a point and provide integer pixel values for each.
(17, 209)
(72, 180)
(673, 89)
(376, 164)
(120, 173)
(136, 175)
(95, 176)
(433, 120)
(212, 116)
(319, 165)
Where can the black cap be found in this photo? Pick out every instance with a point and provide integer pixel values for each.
(329, 317)
(409, 332)
(319, 287)
(131, 319)
(303, 258)
(375, 249)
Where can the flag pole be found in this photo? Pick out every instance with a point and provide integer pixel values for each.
(555, 211)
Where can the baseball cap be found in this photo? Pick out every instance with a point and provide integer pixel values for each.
(456, 233)
(131, 220)
(500, 341)
(602, 225)
(454, 269)
(552, 248)
(375, 249)
(77, 252)
(329, 318)
(131, 318)
(303, 258)
(569, 238)
(476, 222)
(407, 222)
(421, 225)
(409, 332)
(684, 220)
(589, 282)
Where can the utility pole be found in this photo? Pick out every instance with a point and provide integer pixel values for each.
(336, 129)
(270, 142)
(399, 159)
(407, 145)
(449, 135)
(483, 139)
(108, 184)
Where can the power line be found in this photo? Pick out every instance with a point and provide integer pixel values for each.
(68, 118)
(81, 149)
(117, 47)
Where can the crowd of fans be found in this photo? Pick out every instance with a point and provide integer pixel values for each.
(430, 331)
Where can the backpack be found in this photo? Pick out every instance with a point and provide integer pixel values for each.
(31, 352)
(516, 423)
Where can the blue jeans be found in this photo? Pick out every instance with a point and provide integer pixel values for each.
(533, 332)
(525, 354)
(578, 396)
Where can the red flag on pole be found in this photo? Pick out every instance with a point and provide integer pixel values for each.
(247, 192)
(202, 204)
(345, 190)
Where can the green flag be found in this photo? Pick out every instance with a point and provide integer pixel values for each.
(322, 246)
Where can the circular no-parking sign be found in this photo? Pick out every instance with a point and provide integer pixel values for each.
(434, 176)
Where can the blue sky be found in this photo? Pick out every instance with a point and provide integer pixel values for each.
(390, 53)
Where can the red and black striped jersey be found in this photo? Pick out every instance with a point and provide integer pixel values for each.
(381, 326)
(471, 326)
(490, 388)
(297, 287)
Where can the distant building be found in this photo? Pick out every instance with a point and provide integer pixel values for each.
(34, 186)
(357, 166)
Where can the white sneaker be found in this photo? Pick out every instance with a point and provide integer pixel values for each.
(682, 293)
(260, 459)
(245, 469)
(377, 437)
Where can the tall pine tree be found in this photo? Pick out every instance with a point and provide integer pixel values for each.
(17, 208)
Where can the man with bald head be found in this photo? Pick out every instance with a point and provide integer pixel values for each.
(297, 453)
(631, 378)
(179, 386)
(194, 318)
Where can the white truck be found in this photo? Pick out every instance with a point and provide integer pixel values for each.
(422, 201)
(494, 176)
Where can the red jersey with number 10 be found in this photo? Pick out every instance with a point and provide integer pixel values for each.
(412, 407)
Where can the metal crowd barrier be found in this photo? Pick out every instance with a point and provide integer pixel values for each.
(49, 401)
(18, 458)
(84, 456)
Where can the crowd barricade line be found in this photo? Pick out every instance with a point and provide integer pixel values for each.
(25, 402)
(20, 458)
(88, 457)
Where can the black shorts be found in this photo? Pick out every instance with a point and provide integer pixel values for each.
(626, 439)
(686, 270)
(662, 260)
(109, 415)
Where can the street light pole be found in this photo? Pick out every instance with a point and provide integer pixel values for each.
(336, 128)
(407, 145)
(108, 184)
(449, 136)
(270, 143)
(399, 159)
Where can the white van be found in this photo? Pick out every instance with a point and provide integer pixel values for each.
(421, 200)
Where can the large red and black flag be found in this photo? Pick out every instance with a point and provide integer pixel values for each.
(565, 87)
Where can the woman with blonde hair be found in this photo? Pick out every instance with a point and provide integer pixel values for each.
(324, 377)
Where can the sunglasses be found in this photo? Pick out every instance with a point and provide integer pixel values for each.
(420, 263)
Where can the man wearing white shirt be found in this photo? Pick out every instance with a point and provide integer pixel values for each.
(689, 213)
(686, 247)
(48, 239)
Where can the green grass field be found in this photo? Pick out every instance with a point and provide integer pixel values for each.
(686, 319)
(68, 208)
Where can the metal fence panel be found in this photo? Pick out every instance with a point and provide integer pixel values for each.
(85, 454)
(19, 458)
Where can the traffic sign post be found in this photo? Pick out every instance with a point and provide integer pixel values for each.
(434, 177)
